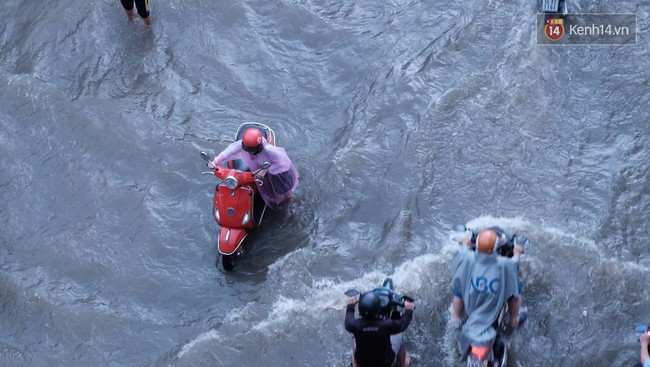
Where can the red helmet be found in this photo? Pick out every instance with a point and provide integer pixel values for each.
(252, 141)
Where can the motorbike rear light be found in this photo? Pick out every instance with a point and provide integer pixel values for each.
(231, 182)
(480, 353)
(247, 216)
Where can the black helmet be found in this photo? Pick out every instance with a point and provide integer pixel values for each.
(369, 305)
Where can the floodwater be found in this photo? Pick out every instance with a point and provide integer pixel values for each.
(403, 118)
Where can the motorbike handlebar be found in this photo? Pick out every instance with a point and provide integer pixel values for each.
(394, 299)
(512, 240)
(245, 177)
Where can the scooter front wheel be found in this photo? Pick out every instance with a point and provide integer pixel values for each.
(226, 261)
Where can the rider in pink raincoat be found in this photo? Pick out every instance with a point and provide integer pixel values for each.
(279, 181)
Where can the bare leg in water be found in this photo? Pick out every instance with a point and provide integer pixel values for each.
(403, 358)
(130, 14)
(142, 9)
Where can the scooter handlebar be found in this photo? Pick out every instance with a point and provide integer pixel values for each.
(394, 299)
(241, 176)
(515, 239)
(402, 301)
(223, 172)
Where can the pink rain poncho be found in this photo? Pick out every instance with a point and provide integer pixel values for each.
(282, 177)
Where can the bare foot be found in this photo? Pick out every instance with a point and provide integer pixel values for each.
(147, 20)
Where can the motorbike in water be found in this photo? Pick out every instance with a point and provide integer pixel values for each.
(391, 307)
(238, 206)
(494, 352)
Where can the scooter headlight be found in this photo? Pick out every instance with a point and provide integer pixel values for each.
(247, 216)
(231, 182)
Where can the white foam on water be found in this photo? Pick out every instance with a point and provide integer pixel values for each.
(629, 266)
(550, 235)
(450, 345)
(326, 295)
(281, 263)
(488, 220)
(207, 336)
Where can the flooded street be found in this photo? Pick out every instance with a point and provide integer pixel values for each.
(403, 118)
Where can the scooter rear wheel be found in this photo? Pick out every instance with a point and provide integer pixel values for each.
(226, 261)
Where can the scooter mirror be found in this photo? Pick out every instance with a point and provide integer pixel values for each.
(351, 292)
(265, 165)
(460, 228)
(205, 156)
(388, 283)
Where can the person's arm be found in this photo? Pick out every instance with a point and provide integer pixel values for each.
(277, 156)
(399, 325)
(350, 321)
(407, 316)
(645, 358)
(395, 326)
(227, 154)
(405, 320)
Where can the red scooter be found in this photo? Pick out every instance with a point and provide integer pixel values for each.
(238, 206)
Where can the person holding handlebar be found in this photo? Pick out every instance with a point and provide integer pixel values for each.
(278, 182)
(483, 280)
(377, 336)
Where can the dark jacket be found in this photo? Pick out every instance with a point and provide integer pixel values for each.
(372, 337)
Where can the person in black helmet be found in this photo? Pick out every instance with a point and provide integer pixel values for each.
(378, 340)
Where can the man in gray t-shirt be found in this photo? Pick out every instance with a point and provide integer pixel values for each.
(482, 282)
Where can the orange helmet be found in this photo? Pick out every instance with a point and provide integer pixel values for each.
(486, 241)
(252, 141)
